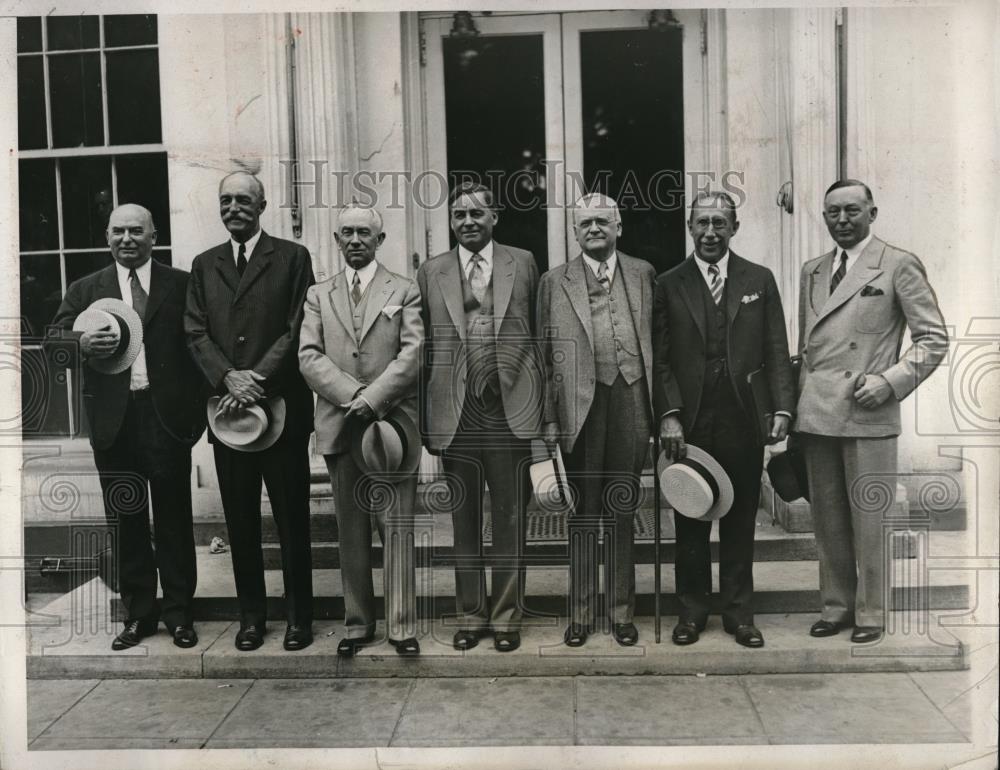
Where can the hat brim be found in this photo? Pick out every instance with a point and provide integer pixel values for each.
(276, 424)
(787, 472)
(407, 428)
(725, 498)
(120, 360)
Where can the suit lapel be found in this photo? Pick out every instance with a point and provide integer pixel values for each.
(379, 291)
(691, 292)
(575, 285)
(341, 303)
(633, 289)
(819, 283)
(159, 287)
(736, 286)
(866, 269)
(503, 281)
(450, 283)
(226, 267)
(260, 260)
(108, 283)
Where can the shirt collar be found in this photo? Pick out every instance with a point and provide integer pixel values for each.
(365, 274)
(251, 244)
(144, 271)
(855, 251)
(594, 264)
(464, 255)
(723, 265)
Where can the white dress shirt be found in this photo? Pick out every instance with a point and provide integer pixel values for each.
(139, 373)
(852, 255)
(611, 262)
(365, 275)
(722, 264)
(465, 258)
(251, 244)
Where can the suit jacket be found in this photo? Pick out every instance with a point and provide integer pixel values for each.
(515, 285)
(385, 363)
(253, 323)
(859, 329)
(756, 338)
(174, 380)
(567, 331)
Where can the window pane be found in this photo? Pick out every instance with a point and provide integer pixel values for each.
(37, 200)
(77, 114)
(142, 179)
(44, 403)
(68, 33)
(41, 293)
(80, 265)
(86, 189)
(134, 97)
(134, 29)
(29, 34)
(31, 103)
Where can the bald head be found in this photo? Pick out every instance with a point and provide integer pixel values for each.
(597, 225)
(131, 235)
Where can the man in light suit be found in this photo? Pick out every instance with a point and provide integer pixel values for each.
(716, 318)
(143, 423)
(244, 310)
(359, 350)
(481, 395)
(595, 322)
(855, 302)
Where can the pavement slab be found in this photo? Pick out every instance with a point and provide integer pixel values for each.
(47, 700)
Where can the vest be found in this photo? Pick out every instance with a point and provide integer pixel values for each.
(616, 346)
(716, 331)
(481, 344)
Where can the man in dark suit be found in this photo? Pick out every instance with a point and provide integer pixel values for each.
(595, 323)
(143, 422)
(716, 318)
(481, 394)
(855, 302)
(244, 311)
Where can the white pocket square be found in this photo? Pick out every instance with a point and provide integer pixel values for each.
(748, 298)
(390, 310)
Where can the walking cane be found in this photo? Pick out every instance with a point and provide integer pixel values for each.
(656, 538)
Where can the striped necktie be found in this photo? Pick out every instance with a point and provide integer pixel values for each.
(841, 272)
(477, 278)
(602, 276)
(716, 286)
(356, 289)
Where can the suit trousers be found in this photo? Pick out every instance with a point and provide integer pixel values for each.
(852, 485)
(603, 471)
(391, 503)
(486, 452)
(284, 468)
(145, 463)
(721, 429)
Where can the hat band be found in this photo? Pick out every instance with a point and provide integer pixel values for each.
(702, 471)
(124, 336)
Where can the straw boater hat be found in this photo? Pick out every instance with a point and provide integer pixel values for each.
(695, 486)
(251, 429)
(787, 472)
(548, 479)
(114, 313)
(388, 448)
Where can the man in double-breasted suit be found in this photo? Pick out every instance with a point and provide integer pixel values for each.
(481, 395)
(855, 302)
(143, 422)
(594, 318)
(244, 311)
(359, 350)
(716, 318)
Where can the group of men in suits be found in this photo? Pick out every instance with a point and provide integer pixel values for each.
(595, 357)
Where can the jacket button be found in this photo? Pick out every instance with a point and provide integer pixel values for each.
(812, 369)
(847, 375)
(853, 346)
(241, 340)
(354, 354)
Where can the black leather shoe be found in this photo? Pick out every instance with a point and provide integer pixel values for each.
(826, 628)
(185, 636)
(297, 637)
(133, 633)
(466, 639)
(250, 638)
(748, 636)
(575, 635)
(506, 641)
(626, 634)
(348, 648)
(407, 648)
(685, 632)
(863, 634)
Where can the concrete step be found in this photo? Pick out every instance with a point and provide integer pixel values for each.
(69, 641)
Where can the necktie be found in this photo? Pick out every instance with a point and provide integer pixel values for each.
(139, 295)
(602, 276)
(716, 286)
(241, 260)
(841, 272)
(477, 278)
(356, 289)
